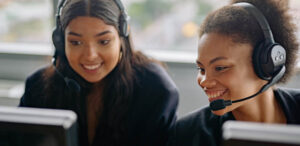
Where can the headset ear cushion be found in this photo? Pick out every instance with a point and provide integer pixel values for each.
(268, 58)
(260, 57)
(58, 39)
(124, 29)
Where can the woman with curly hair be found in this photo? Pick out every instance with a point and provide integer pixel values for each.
(244, 49)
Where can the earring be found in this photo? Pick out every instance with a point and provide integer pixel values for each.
(120, 56)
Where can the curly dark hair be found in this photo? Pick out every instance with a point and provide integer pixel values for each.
(239, 24)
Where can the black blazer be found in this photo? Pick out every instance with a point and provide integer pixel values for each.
(151, 115)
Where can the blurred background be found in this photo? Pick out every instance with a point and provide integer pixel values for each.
(163, 29)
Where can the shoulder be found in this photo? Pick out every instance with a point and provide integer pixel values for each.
(288, 92)
(195, 120)
(153, 107)
(288, 95)
(154, 72)
(153, 79)
(154, 87)
(289, 99)
(33, 88)
(200, 127)
(36, 76)
(35, 80)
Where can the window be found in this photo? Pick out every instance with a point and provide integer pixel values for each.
(168, 24)
(26, 21)
(295, 12)
(173, 24)
(156, 25)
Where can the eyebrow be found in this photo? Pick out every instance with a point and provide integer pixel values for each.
(74, 33)
(99, 34)
(103, 33)
(212, 61)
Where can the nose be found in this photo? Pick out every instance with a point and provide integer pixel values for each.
(90, 53)
(206, 81)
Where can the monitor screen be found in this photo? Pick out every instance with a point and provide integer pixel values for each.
(237, 133)
(20, 126)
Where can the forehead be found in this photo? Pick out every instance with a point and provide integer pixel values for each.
(214, 45)
(87, 24)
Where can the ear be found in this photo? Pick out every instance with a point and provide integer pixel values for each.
(120, 55)
(121, 42)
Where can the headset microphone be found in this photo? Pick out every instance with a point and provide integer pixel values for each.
(221, 103)
(71, 83)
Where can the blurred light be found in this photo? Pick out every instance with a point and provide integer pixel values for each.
(189, 29)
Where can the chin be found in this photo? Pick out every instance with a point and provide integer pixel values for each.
(220, 112)
(93, 80)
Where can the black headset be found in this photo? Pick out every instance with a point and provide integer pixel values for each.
(268, 57)
(58, 38)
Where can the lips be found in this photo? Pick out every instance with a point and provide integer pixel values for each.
(215, 94)
(91, 67)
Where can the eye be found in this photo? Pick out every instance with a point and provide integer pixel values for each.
(104, 42)
(201, 70)
(220, 68)
(75, 43)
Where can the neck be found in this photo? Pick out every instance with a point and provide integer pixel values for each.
(262, 108)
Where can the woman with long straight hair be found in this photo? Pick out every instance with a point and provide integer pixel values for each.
(121, 96)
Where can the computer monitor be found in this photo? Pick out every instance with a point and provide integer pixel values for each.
(20, 126)
(237, 133)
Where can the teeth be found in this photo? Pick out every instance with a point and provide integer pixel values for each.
(215, 94)
(91, 67)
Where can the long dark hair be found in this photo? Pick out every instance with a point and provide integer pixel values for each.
(118, 84)
(243, 28)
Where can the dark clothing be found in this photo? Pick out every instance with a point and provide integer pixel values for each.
(151, 114)
(203, 128)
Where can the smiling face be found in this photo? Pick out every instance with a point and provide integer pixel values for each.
(92, 47)
(225, 70)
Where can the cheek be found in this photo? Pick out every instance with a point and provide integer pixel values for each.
(73, 58)
(71, 55)
(233, 81)
(112, 57)
(241, 83)
(229, 78)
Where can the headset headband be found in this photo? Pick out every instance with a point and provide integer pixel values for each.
(262, 21)
(123, 18)
(59, 8)
(120, 5)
